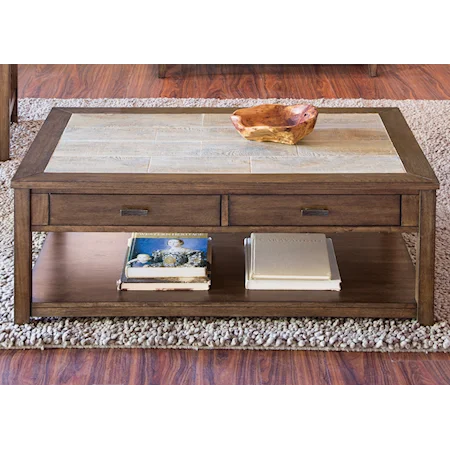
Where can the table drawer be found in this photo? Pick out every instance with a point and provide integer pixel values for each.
(72, 209)
(297, 210)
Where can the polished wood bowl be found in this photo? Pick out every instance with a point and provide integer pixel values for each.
(275, 123)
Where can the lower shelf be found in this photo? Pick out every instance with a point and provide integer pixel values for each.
(76, 273)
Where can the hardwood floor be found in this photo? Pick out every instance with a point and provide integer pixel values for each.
(225, 81)
(134, 366)
(188, 367)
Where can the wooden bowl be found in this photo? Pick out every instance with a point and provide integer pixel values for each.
(275, 123)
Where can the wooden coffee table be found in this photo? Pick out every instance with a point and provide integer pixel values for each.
(92, 176)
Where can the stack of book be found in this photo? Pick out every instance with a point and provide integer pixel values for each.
(167, 262)
(291, 261)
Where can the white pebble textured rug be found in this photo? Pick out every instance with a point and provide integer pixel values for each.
(430, 122)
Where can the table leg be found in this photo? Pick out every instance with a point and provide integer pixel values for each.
(15, 92)
(162, 68)
(425, 258)
(372, 70)
(22, 256)
(5, 86)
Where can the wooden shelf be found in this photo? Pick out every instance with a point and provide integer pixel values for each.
(76, 273)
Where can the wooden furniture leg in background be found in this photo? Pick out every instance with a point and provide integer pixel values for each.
(425, 258)
(5, 87)
(8, 105)
(373, 70)
(162, 69)
(22, 256)
(14, 95)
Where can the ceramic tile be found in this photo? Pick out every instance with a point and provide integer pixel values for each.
(135, 120)
(349, 121)
(199, 165)
(109, 134)
(352, 148)
(334, 164)
(246, 148)
(197, 133)
(208, 143)
(345, 135)
(98, 164)
(217, 120)
(127, 148)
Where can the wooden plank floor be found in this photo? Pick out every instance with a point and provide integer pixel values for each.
(133, 366)
(224, 81)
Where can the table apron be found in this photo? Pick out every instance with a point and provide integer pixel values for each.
(225, 213)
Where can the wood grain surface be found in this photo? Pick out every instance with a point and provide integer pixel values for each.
(426, 257)
(287, 210)
(377, 274)
(373, 70)
(275, 123)
(394, 81)
(40, 209)
(219, 367)
(5, 87)
(162, 210)
(410, 210)
(419, 173)
(13, 103)
(135, 366)
(22, 255)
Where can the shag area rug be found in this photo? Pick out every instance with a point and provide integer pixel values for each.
(430, 122)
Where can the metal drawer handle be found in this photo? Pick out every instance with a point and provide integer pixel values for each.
(314, 212)
(134, 212)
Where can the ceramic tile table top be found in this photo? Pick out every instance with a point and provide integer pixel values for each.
(208, 143)
(94, 175)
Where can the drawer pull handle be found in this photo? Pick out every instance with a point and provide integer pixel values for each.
(134, 212)
(314, 212)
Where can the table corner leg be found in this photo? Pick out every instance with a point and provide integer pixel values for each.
(426, 258)
(22, 256)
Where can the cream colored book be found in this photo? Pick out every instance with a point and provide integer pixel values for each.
(333, 284)
(289, 256)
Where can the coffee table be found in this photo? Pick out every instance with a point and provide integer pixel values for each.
(92, 176)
